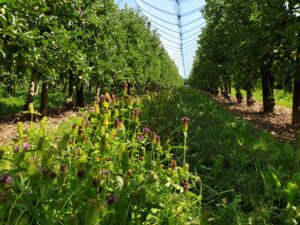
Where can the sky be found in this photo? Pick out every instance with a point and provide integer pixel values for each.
(163, 15)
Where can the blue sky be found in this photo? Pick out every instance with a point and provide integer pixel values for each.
(163, 15)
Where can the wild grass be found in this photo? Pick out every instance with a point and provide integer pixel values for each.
(282, 98)
(249, 177)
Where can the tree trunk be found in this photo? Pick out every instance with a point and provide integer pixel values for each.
(296, 94)
(268, 90)
(238, 95)
(31, 89)
(79, 96)
(71, 81)
(44, 99)
(249, 97)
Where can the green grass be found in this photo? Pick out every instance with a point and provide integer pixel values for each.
(248, 176)
(282, 98)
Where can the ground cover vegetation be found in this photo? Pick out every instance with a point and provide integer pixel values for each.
(103, 167)
(72, 46)
(250, 44)
(248, 176)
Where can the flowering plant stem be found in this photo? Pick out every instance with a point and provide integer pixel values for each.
(184, 147)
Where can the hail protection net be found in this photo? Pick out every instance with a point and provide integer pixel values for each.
(178, 23)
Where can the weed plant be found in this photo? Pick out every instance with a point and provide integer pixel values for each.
(248, 176)
(103, 167)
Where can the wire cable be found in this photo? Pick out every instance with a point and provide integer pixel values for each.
(195, 27)
(143, 9)
(191, 12)
(158, 24)
(161, 10)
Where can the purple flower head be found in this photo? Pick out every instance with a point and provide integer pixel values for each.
(146, 131)
(185, 185)
(9, 180)
(25, 145)
(140, 137)
(4, 178)
(111, 199)
(106, 172)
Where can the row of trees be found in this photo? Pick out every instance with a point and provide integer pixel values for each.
(80, 43)
(250, 43)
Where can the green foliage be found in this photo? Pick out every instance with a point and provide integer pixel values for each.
(248, 176)
(95, 41)
(242, 40)
(99, 168)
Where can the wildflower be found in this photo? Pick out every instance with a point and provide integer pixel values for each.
(80, 131)
(185, 126)
(106, 172)
(140, 137)
(52, 174)
(25, 145)
(9, 180)
(113, 99)
(64, 169)
(95, 182)
(146, 131)
(154, 137)
(125, 88)
(80, 173)
(111, 199)
(4, 178)
(158, 140)
(136, 113)
(185, 185)
(173, 164)
(117, 124)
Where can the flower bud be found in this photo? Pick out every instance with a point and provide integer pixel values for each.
(136, 113)
(185, 123)
(31, 108)
(125, 87)
(173, 164)
(185, 185)
(146, 131)
(140, 137)
(154, 137)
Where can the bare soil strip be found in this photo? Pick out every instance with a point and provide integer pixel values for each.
(277, 123)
